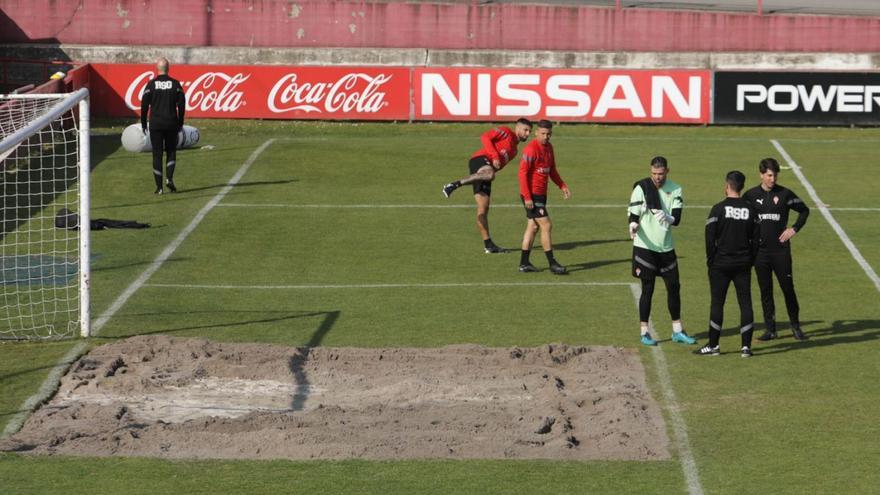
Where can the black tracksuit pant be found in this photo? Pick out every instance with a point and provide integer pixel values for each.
(719, 281)
(779, 262)
(163, 140)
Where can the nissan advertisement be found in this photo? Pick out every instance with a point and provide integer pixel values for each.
(423, 94)
(797, 98)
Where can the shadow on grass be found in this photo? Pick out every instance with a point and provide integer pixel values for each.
(285, 315)
(165, 198)
(182, 194)
(840, 332)
(100, 268)
(566, 246)
(29, 370)
(759, 329)
(238, 185)
(590, 265)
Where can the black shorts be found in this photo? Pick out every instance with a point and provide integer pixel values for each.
(480, 186)
(540, 209)
(647, 263)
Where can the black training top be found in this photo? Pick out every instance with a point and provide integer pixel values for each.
(165, 95)
(772, 207)
(732, 231)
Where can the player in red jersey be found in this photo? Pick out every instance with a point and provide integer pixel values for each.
(537, 166)
(499, 147)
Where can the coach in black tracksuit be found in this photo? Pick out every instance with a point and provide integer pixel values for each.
(164, 95)
(773, 202)
(731, 244)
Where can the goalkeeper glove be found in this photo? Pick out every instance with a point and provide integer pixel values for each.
(633, 228)
(664, 218)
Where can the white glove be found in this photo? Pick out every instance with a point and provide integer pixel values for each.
(664, 218)
(633, 228)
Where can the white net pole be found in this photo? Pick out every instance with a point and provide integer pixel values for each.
(44, 159)
(85, 204)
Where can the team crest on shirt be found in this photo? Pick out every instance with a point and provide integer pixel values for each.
(638, 271)
(775, 200)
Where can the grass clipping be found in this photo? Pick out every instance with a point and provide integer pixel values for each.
(161, 396)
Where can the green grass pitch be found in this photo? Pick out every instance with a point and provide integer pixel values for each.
(329, 209)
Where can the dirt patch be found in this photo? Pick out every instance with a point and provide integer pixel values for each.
(171, 397)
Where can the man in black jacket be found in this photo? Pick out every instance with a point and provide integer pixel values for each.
(165, 102)
(773, 202)
(731, 244)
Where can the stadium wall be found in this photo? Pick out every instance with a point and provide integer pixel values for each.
(441, 25)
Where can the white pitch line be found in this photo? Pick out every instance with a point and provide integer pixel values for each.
(401, 206)
(454, 206)
(853, 250)
(51, 383)
(388, 286)
(679, 427)
(853, 209)
(721, 139)
(405, 206)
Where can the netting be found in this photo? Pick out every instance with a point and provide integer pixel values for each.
(39, 263)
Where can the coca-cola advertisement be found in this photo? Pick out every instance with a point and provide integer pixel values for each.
(263, 92)
(580, 95)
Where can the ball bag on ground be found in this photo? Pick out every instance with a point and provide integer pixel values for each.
(134, 139)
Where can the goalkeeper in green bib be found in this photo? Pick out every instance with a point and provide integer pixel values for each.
(654, 209)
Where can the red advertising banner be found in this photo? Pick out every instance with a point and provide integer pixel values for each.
(636, 96)
(262, 92)
(441, 94)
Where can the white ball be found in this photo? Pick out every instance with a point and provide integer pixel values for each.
(134, 139)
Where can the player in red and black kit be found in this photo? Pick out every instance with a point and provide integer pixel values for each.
(772, 202)
(165, 102)
(537, 167)
(732, 231)
(499, 147)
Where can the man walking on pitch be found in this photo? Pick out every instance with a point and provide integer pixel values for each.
(731, 244)
(165, 102)
(537, 166)
(654, 208)
(772, 202)
(499, 147)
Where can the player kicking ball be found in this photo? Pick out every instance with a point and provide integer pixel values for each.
(499, 147)
(537, 168)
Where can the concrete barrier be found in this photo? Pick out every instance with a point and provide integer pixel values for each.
(421, 57)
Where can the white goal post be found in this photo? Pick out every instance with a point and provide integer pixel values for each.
(45, 163)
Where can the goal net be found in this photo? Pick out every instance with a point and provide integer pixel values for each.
(44, 169)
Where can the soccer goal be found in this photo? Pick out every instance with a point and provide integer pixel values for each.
(44, 169)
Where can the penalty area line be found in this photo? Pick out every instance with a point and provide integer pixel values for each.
(853, 250)
(386, 286)
(49, 385)
(679, 427)
(460, 206)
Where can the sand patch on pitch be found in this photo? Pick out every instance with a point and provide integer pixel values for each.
(172, 397)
